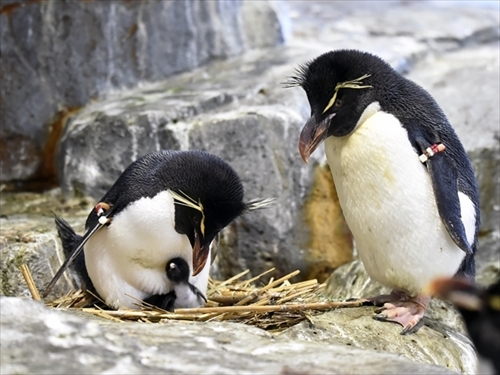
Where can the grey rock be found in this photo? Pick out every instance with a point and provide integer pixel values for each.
(58, 342)
(24, 241)
(443, 339)
(355, 328)
(413, 29)
(28, 236)
(58, 56)
(425, 21)
(237, 110)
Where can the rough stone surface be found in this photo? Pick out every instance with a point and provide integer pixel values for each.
(355, 328)
(401, 33)
(442, 340)
(60, 56)
(28, 236)
(54, 342)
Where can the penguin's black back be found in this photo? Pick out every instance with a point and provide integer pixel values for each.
(195, 173)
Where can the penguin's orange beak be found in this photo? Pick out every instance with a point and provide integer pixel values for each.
(312, 135)
(200, 255)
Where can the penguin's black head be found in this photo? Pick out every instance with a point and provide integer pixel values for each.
(202, 222)
(177, 270)
(208, 195)
(339, 85)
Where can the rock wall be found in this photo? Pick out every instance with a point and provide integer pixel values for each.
(57, 56)
(58, 342)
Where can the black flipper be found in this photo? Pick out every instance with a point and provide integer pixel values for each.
(444, 182)
(198, 292)
(444, 179)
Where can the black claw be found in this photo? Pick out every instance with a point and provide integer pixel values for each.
(412, 329)
(378, 311)
(406, 329)
(380, 317)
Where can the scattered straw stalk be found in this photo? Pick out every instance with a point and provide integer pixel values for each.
(277, 305)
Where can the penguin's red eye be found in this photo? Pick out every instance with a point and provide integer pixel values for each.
(338, 103)
(196, 220)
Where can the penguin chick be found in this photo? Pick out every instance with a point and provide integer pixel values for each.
(184, 295)
(480, 309)
(404, 182)
(165, 205)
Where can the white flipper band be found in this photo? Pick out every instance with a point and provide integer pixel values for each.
(431, 151)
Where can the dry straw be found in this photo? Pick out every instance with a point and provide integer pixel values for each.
(273, 306)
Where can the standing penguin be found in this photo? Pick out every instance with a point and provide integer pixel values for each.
(167, 204)
(404, 182)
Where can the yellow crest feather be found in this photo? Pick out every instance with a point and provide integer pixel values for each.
(353, 84)
(258, 203)
(183, 199)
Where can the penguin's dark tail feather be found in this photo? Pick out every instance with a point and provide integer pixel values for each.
(68, 236)
(70, 241)
(468, 267)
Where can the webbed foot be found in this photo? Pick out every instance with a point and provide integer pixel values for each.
(399, 307)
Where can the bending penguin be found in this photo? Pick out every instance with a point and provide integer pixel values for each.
(404, 182)
(165, 205)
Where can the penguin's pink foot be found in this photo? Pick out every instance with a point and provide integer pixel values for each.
(401, 308)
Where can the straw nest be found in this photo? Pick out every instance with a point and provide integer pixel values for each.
(273, 306)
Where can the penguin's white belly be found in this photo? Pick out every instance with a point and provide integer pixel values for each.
(388, 202)
(126, 261)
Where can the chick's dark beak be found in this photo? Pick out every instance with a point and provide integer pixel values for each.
(200, 255)
(312, 135)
